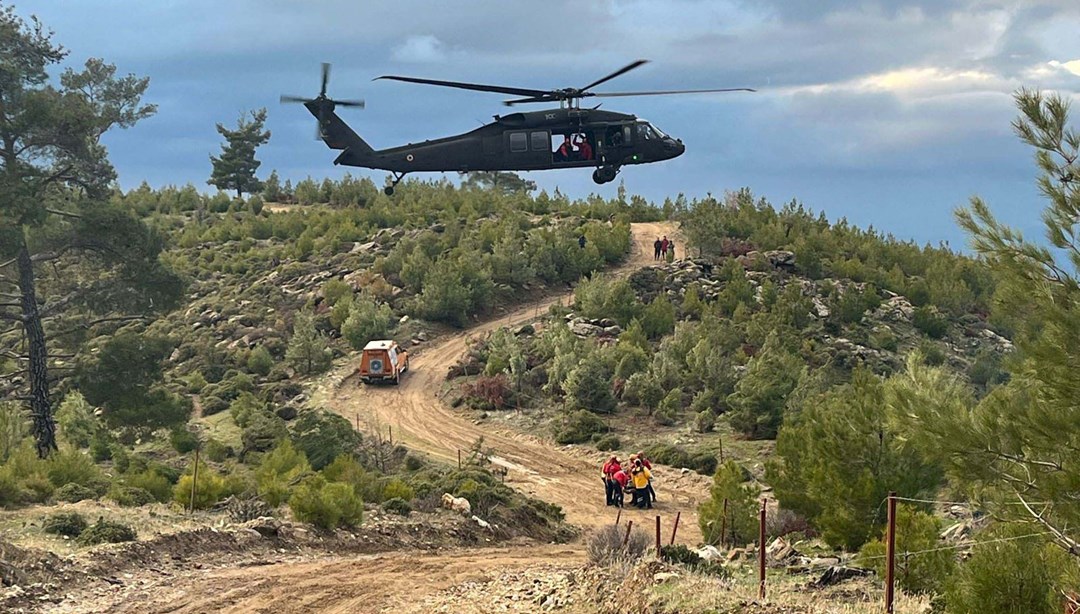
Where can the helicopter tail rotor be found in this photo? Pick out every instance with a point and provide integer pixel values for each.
(322, 106)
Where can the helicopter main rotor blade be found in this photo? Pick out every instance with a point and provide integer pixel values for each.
(511, 103)
(285, 99)
(664, 93)
(621, 71)
(349, 103)
(498, 89)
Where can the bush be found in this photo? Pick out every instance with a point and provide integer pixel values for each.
(704, 463)
(704, 421)
(130, 496)
(326, 505)
(216, 451)
(367, 320)
(69, 524)
(487, 392)
(73, 493)
(742, 508)
(210, 488)
(70, 465)
(75, 420)
(152, 482)
(396, 489)
(397, 506)
(932, 354)
(606, 545)
(183, 440)
(107, 532)
(413, 463)
(213, 405)
(930, 322)
(579, 427)
(916, 531)
(323, 436)
(588, 385)
(608, 443)
(262, 433)
(279, 469)
(667, 454)
(1024, 574)
(260, 361)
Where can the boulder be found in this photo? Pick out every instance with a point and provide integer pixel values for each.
(837, 574)
(781, 258)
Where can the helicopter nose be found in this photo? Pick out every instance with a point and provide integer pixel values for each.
(675, 147)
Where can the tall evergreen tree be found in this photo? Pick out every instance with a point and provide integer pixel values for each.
(1017, 447)
(65, 252)
(235, 168)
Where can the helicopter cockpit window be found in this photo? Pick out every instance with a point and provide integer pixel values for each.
(648, 131)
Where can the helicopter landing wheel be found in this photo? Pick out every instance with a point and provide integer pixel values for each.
(389, 190)
(605, 174)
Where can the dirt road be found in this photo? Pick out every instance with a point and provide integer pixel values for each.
(566, 477)
(394, 582)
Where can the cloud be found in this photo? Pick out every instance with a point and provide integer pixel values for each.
(421, 49)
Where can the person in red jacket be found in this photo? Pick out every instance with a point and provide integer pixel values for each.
(563, 153)
(607, 473)
(584, 149)
(621, 480)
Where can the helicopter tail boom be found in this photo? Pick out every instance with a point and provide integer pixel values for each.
(335, 132)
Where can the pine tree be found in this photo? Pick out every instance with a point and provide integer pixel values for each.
(307, 352)
(1017, 447)
(69, 259)
(235, 168)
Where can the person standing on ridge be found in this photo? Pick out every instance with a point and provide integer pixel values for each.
(671, 251)
(663, 247)
(656, 249)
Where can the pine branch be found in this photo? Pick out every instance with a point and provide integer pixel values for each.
(87, 325)
(63, 213)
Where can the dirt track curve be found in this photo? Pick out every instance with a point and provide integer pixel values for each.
(396, 581)
(568, 478)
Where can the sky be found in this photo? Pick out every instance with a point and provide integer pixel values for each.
(891, 114)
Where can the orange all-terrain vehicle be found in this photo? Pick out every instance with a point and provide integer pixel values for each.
(383, 361)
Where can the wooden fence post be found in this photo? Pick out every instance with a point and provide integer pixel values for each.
(194, 480)
(657, 536)
(890, 554)
(675, 529)
(629, 525)
(761, 552)
(459, 459)
(618, 517)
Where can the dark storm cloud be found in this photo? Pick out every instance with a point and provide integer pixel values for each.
(906, 104)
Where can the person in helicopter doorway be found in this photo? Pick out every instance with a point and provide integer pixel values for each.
(584, 150)
(563, 153)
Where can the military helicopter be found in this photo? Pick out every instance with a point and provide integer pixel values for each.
(585, 137)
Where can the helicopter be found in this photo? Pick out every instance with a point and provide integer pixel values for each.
(590, 138)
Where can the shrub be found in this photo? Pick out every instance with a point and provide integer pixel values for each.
(152, 482)
(1024, 574)
(487, 392)
(930, 322)
(326, 505)
(69, 524)
(107, 532)
(323, 436)
(932, 354)
(704, 463)
(262, 433)
(742, 508)
(279, 469)
(367, 320)
(396, 489)
(210, 488)
(397, 506)
(216, 451)
(73, 493)
(244, 407)
(667, 454)
(213, 405)
(413, 463)
(75, 419)
(183, 440)
(588, 385)
(704, 421)
(70, 465)
(883, 338)
(130, 496)
(916, 531)
(608, 443)
(606, 545)
(260, 361)
(580, 426)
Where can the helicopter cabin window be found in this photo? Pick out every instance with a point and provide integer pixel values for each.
(617, 136)
(519, 142)
(540, 141)
(574, 147)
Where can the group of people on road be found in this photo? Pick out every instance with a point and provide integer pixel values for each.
(634, 479)
(664, 249)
